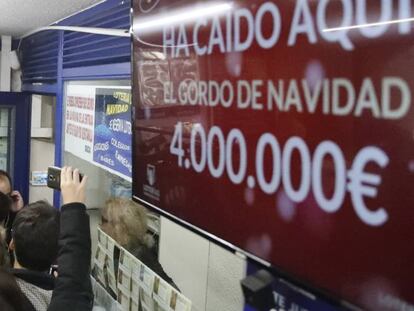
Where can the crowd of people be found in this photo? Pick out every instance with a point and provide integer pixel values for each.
(36, 238)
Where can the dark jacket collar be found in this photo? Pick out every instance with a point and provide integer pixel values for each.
(40, 279)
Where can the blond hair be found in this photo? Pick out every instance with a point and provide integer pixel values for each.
(126, 222)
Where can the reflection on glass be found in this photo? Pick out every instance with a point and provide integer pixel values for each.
(180, 16)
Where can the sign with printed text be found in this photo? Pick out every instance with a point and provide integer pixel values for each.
(79, 121)
(287, 129)
(98, 126)
(113, 130)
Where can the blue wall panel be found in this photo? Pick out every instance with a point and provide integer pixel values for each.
(39, 52)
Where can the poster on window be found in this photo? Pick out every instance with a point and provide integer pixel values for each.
(79, 121)
(113, 130)
(98, 126)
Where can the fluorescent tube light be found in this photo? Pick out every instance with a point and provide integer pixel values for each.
(396, 21)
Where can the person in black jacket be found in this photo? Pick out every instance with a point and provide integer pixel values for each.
(35, 244)
(73, 291)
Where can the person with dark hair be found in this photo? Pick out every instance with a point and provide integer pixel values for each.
(73, 290)
(11, 202)
(35, 236)
(6, 187)
(34, 242)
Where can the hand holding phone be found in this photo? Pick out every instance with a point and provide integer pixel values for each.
(53, 177)
(73, 189)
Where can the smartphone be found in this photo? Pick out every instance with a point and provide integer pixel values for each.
(53, 177)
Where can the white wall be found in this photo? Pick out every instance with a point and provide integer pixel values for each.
(16, 81)
(225, 271)
(41, 156)
(42, 151)
(184, 256)
(205, 272)
(5, 63)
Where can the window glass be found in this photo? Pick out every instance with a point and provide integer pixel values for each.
(98, 140)
(97, 125)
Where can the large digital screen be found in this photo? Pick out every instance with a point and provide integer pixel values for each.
(285, 128)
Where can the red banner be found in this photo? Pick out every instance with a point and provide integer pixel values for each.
(285, 128)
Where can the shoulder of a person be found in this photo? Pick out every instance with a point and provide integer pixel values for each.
(38, 279)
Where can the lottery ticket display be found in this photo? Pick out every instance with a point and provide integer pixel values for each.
(134, 285)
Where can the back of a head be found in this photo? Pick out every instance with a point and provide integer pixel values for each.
(35, 235)
(126, 222)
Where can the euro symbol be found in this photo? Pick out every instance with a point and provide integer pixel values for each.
(362, 184)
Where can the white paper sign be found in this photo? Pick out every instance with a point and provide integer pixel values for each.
(80, 120)
(97, 131)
